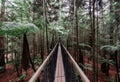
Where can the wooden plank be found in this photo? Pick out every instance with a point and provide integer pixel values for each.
(59, 73)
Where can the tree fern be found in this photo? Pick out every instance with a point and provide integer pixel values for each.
(109, 49)
(85, 46)
(17, 29)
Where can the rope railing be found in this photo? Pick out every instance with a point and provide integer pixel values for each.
(43, 65)
(47, 68)
(82, 75)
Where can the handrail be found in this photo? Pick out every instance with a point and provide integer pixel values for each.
(79, 70)
(37, 73)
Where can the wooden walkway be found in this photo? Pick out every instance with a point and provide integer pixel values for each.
(59, 72)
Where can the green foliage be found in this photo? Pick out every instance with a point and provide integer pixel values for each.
(22, 77)
(0, 24)
(37, 6)
(118, 47)
(83, 19)
(103, 60)
(37, 61)
(109, 22)
(88, 66)
(17, 29)
(2, 68)
(67, 23)
(112, 79)
(85, 46)
(39, 23)
(111, 19)
(109, 49)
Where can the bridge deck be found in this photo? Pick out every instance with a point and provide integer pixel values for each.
(59, 72)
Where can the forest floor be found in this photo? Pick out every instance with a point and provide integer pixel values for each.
(10, 75)
(101, 76)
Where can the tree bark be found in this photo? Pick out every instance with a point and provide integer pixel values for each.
(76, 31)
(117, 20)
(34, 46)
(45, 26)
(26, 59)
(2, 38)
(93, 42)
(111, 27)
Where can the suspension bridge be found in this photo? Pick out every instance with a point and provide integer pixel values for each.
(59, 66)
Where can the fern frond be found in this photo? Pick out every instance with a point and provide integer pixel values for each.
(17, 29)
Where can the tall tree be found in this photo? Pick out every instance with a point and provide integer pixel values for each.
(111, 25)
(45, 24)
(117, 21)
(2, 41)
(37, 9)
(92, 35)
(26, 59)
(76, 30)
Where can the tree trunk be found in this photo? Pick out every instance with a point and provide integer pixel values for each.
(42, 46)
(111, 27)
(34, 46)
(2, 39)
(76, 31)
(101, 20)
(25, 54)
(93, 42)
(52, 41)
(26, 59)
(2, 59)
(45, 26)
(117, 20)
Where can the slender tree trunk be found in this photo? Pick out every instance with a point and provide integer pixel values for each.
(111, 27)
(97, 43)
(91, 25)
(42, 46)
(93, 41)
(45, 25)
(2, 46)
(52, 41)
(117, 26)
(101, 29)
(34, 45)
(76, 31)
(34, 49)
(2, 39)
(117, 66)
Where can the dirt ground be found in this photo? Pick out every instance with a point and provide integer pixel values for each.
(102, 76)
(11, 75)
